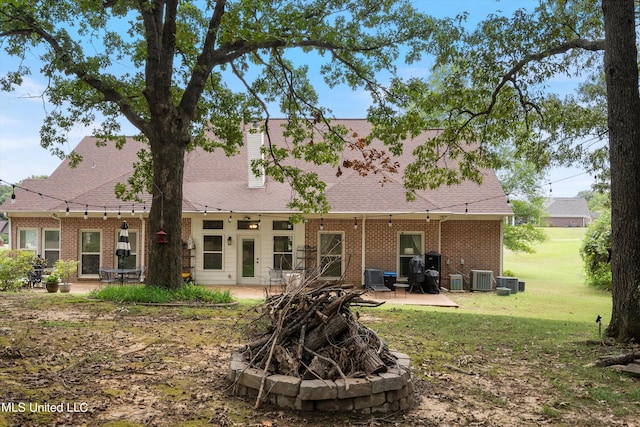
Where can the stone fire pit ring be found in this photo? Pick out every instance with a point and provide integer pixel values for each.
(386, 392)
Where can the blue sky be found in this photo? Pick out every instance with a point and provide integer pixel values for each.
(22, 111)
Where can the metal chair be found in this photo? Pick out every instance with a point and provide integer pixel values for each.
(106, 277)
(276, 277)
(134, 276)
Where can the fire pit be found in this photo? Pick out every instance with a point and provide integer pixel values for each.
(384, 392)
(310, 353)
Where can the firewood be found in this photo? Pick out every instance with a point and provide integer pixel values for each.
(311, 332)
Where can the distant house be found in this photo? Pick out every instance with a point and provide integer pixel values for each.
(567, 212)
(236, 225)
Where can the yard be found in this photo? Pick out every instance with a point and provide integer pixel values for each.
(524, 359)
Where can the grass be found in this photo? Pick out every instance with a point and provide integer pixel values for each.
(539, 344)
(549, 328)
(157, 295)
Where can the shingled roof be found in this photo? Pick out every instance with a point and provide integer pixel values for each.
(220, 182)
(567, 207)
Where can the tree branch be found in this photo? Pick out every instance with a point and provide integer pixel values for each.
(510, 76)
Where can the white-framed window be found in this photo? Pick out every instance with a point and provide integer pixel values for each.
(51, 246)
(132, 260)
(28, 239)
(409, 245)
(331, 254)
(283, 252)
(212, 252)
(90, 246)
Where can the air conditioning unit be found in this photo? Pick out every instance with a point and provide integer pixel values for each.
(455, 283)
(507, 282)
(482, 280)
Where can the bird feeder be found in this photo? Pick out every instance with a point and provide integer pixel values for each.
(162, 238)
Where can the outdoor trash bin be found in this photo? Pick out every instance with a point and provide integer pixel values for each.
(390, 278)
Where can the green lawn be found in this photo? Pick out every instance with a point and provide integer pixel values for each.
(554, 284)
(538, 342)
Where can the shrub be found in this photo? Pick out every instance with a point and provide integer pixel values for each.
(14, 267)
(595, 252)
(153, 294)
(64, 268)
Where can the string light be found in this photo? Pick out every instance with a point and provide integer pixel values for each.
(105, 214)
(205, 210)
(86, 213)
(230, 219)
(355, 224)
(321, 223)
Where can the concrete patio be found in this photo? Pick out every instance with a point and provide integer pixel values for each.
(256, 292)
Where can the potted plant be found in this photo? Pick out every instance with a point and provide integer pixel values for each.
(52, 283)
(64, 268)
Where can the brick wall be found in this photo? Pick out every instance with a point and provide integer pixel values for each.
(70, 228)
(477, 242)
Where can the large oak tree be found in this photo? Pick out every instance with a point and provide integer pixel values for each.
(166, 66)
(493, 85)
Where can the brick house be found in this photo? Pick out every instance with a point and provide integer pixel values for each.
(236, 225)
(566, 212)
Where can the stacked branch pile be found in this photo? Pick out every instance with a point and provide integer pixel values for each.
(311, 333)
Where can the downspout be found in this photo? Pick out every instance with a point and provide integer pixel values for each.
(143, 247)
(442, 219)
(363, 244)
(501, 246)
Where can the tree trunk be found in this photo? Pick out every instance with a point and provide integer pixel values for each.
(165, 260)
(621, 72)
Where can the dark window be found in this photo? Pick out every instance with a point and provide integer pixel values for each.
(212, 224)
(282, 225)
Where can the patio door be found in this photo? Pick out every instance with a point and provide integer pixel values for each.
(249, 256)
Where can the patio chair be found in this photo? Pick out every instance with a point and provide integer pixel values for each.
(106, 276)
(134, 276)
(276, 278)
(374, 280)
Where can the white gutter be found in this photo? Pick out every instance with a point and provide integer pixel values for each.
(364, 249)
(143, 246)
(443, 218)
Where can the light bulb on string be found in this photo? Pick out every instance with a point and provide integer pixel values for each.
(119, 214)
(390, 222)
(205, 210)
(13, 194)
(321, 224)
(133, 210)
(466, 208)
(230, 218)
(104, 217)
(66, 211)
(428, 217)
(86, 213)
(355, 224)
